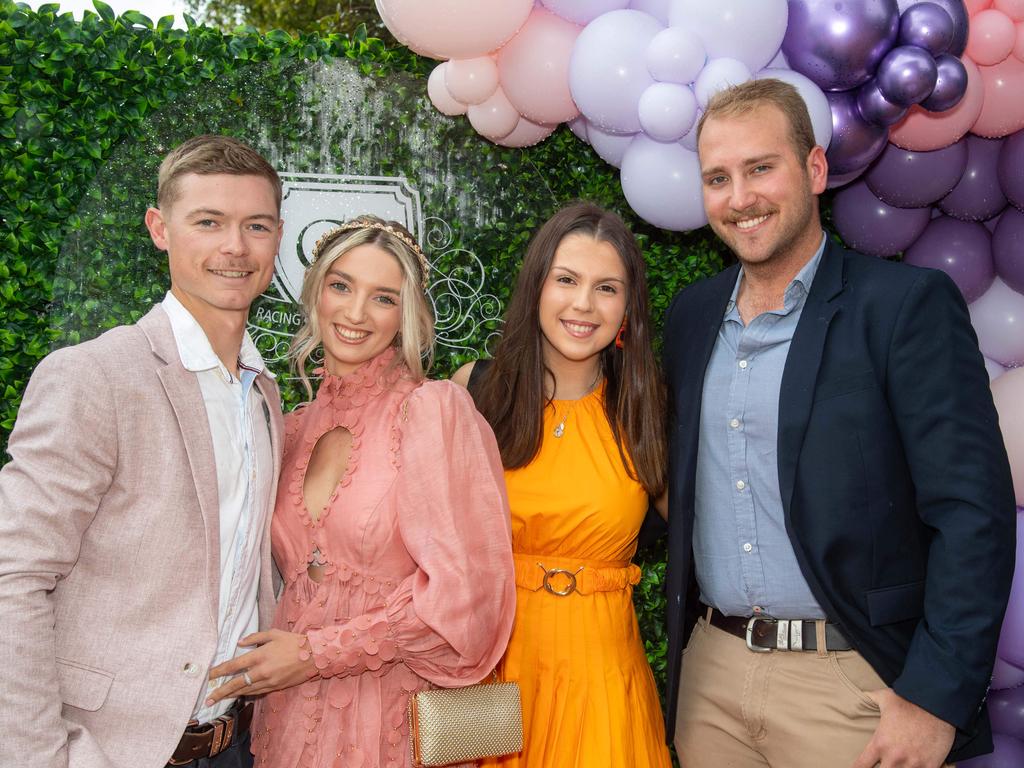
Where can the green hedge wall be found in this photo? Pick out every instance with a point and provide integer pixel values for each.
(87, 110)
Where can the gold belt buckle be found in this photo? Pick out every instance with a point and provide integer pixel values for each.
(569, 589)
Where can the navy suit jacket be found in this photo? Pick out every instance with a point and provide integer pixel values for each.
(894, 478)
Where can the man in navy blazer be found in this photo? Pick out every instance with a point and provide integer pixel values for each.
(838, 484)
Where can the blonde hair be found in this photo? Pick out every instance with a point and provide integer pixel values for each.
(210, 154)
(415, 339)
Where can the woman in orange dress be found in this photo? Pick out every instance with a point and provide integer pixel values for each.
(575, 400)
(391, 526)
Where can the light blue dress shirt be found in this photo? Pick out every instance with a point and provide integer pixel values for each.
(744, 560)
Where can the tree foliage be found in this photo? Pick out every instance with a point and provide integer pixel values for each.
(294, 16)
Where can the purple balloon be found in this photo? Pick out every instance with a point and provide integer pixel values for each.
(906, 75)
(909, 179)
(855, 141)
(977, 196)
(1008, 249)
(1006, 710)
(1011, 169)
(950, 84)
(927, 26)
(1008, 753)
(875, 108)
(957, 11)
(838, 45)
(1004, 674)
(961, 249)
(873, 227)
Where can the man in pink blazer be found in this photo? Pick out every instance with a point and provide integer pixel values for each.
(135, 509)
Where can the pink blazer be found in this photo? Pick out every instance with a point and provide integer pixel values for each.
(109, 561)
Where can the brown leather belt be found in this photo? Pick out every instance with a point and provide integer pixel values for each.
(210, 739)
(764, 633)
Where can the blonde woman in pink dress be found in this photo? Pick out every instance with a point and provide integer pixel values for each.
(391, 528)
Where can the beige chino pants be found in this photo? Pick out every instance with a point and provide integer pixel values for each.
(784, 709)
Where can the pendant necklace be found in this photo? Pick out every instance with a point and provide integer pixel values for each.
(559, 429)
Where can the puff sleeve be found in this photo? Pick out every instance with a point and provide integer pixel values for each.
(450, 620)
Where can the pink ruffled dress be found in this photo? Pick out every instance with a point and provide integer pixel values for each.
(419, 586)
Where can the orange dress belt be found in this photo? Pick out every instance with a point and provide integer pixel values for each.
(563, 576)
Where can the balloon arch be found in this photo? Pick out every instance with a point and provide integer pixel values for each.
(919, 103)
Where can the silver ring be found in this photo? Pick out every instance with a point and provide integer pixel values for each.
(245, 676)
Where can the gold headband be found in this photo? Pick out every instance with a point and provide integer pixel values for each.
(332, 234)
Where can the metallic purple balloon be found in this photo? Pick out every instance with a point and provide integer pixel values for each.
(906, 75)
(875, 108)
(855, 141)
(1011, 169)
(957, 11)
(927, 26)
(1006, 711)
(977, 196)
(839, 44)
(1008, 249)
(950, 84)
(961, 249)
(872, 227)
(910, 179)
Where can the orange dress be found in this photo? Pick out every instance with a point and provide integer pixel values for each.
(589, 698)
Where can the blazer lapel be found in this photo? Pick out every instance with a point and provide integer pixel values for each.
(186, 399)
(802, 364)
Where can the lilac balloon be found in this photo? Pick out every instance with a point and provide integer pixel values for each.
(1006, 710)
(578, 125)
(610, 147)
(1004, 674)
(608, 68)
(994, 371)
(1011, 169)
(838, 45)
(717, 75)
(957, 12)
(927, 26)
(817, 104)
(909, 179)
(906, 75)
(1008, 753)
(750, 31)
(872, 227)
(662, 184)
(950, 84)
(656, 8)
(875, 108)
(977, 195)
(998, 317)
(1008, 249)
(961, 249)
(667, 111)
(855, 142)
(837, 180)
(675, 55)
(1011, 638)
(582, 12)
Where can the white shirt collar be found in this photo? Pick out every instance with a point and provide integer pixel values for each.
(194, 347)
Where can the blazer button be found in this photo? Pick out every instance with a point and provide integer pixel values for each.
(191, 669)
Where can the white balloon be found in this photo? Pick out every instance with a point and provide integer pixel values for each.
(998, 319)
(717, 75)
(662, 183)
(610, 147)
(443, 101)
(814, 98)
(667, 111)
(675, 55)
(748, 30)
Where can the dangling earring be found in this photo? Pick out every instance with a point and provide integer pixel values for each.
(620, 337)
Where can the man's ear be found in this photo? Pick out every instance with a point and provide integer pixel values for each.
(157, 228)
(817, 170)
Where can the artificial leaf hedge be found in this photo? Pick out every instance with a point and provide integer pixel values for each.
(87, 109)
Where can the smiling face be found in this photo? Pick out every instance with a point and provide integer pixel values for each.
(582, 301)
(759, 195)
(360, 307)
(221, 235)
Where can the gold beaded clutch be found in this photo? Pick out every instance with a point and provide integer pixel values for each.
(448, 726)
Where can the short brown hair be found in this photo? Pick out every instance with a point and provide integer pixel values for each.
(211, 154)
(744, 98)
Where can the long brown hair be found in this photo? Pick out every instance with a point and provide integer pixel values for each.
(511, 395)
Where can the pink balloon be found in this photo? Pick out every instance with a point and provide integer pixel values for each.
(495, 118)
(453, 29)
(975, 6)
(923, 131)
(991, 37)
(438, 93)
(1008, 395)
(526, 134)
(1012, 8)
(1018, 45)
(1003, 110)
(471, 81)
(998, 319)
(534, 68)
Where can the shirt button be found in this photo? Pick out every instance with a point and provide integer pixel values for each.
(743, 363)
(748, 547)
(734, 423)
(758, 609)
(191, 669)
(740, 485)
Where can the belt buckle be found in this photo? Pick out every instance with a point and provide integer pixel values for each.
(569, 589)
(750, 634)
